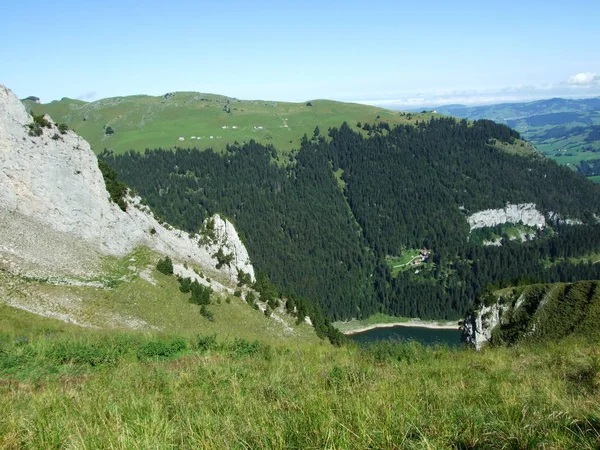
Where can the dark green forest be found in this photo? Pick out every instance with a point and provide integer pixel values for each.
(321, 225)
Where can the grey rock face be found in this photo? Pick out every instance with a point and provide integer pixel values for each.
(56, 217)
(525, 213)
(477, 328)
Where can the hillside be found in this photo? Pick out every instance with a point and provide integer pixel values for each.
(62, 386)
(535, 313)
(205, 120)
(567, 131)
(336, 222)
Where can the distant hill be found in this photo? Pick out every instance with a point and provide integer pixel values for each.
(192, 119)
(565, 130)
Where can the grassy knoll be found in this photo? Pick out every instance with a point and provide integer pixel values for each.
(89, 389)
(140, 122)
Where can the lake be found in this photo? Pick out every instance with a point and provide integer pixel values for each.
(426, 336)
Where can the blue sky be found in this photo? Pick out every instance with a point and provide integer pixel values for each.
(393, 53)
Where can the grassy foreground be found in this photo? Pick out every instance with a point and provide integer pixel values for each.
(63, 387)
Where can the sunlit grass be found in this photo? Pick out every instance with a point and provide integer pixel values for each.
(232, 393)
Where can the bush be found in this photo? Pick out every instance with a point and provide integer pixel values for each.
(185, 284)
(63, 128)
(85, 353)
(115, 188)
(243, 278)
(205, 343)
(161, 348)
(242, 348)
(205, 312)
(200, 294)
(223, 259)
(165, 266)
(41, 121)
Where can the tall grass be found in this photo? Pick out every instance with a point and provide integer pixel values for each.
(127, 391)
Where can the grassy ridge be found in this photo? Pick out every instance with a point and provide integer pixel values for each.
(86, 390)
(542, 312)
(141, 122)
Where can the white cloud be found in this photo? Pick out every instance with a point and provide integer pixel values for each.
(581, 85)
(584, 79)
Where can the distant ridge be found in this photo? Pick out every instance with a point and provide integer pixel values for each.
(193, 119)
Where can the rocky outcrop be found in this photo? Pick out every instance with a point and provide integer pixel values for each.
(477, 328)
(56, 217)
(525, 213)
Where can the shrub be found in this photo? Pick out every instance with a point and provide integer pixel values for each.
(200, 294)
(63, 128)
(165, 266)
(41, 121)
(185, 284)
(243, 278)
(251, 298)
(85, 353)
(116, 189)
(205, 312)
(242, 348)
(205, 343)
(223, 259)
(162, 348)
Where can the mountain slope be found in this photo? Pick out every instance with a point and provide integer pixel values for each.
(565, 130)
(69, 252)
(329, 223)
(204, 120)
(536, 313)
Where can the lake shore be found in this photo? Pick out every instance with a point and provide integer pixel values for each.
(440, 325)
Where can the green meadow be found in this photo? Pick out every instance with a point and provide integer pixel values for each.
(244, 381)
(206, 120)
(67, 387)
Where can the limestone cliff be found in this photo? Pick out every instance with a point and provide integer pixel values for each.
(525, 213)
(56, 217)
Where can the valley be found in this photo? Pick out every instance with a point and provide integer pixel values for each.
(234, 335)
(250, 225)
